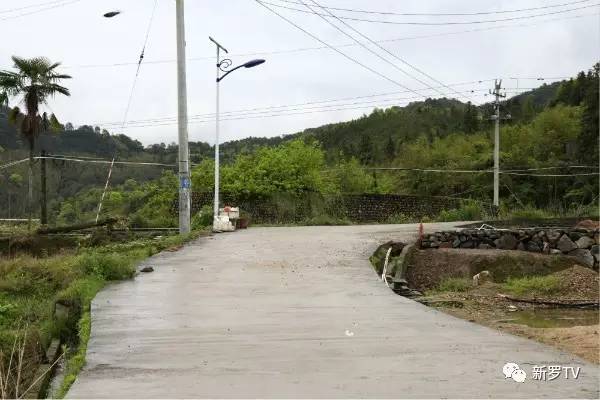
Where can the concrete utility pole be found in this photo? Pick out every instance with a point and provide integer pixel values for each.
(182, 118)
(496, 117)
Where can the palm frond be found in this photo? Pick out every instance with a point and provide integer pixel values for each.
(52, 88)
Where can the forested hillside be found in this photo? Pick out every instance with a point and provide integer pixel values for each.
(553, 126)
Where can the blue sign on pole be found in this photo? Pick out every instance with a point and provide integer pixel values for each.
(185, 183)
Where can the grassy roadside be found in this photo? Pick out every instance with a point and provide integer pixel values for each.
(34, 290)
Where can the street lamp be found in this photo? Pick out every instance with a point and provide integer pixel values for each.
(223, 66)
(182, 119)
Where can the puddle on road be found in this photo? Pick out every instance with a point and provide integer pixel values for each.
(554, 318)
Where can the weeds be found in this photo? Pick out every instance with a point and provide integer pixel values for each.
(30, 287)
(454, 285)
(532, 285)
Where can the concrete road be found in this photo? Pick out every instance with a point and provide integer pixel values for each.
(297, 313)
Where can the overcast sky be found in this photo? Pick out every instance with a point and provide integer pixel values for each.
(89, 46)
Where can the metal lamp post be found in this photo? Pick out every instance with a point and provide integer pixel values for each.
(223, 66)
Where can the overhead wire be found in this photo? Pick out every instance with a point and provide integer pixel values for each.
(317, 48)
(335, 49)
(454, 14)
(137, 73)
(395, 56)
(66, 3)
(12, 10)
(378, 21)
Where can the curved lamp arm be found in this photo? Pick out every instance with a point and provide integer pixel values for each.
(249, 64)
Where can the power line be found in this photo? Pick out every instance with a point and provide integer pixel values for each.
(66, 3)
(287, 108)
(379, 21)
(386, 50)
(363, 46)
(441, 14)
(317, 48)
(322, 108)
(335, 49)
(12, 10)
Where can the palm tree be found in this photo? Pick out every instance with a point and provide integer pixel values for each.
(34, 81)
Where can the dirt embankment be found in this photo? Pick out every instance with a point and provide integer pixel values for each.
(445, 276)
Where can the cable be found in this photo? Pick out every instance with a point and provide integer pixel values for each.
(11, 10)
(40, 10)
(102, 161)
(317, 48)
(12, 164)
(442, 14)
(386, 50)
(363, 46)
(286, 108)
(439, 23)
(128, 105)
(335, 49)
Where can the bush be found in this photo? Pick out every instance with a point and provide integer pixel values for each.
(532, 285)
(109, 266)
(203, 218)
(454, 285)
(468, 211)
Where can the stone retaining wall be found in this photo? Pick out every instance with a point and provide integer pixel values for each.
(579, 243)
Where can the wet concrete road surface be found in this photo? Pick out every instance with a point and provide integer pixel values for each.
(297, 313)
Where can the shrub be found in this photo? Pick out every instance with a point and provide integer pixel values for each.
(532, 285)
(454, 285)
(203, 218)
(109, 266)
(468, 211)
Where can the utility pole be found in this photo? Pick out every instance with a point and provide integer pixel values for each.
(496, 117)
(182, 119)
(44, 199)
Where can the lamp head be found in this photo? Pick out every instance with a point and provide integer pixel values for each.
(253, 63)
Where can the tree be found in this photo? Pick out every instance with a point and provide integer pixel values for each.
(35, 81)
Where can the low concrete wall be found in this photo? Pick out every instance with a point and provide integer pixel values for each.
(579, 243)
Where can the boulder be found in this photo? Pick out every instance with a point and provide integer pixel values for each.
(585, 242)
(485, 246)
(583, 256)
(445, 245)
(555, 252)
(565, 244)
(506, 242)
(553, 236)
(595, 250)
(587, 224)
(533, 246)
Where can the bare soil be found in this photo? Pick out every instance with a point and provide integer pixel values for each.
(570, 329)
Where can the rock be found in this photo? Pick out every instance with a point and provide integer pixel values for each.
(483, 276)
(533, 246)
(575, 236)
(555, 251)
(467, 245)
(595, 250)
(456, 243)
(584, 256)
(485, 246)
(506, 242)
(147, 269)
(546, 248)
(521, 246)
(585, 242)
(553, 236)
(512, 308)
(565, 244)
(587, 224)
(445, 245)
